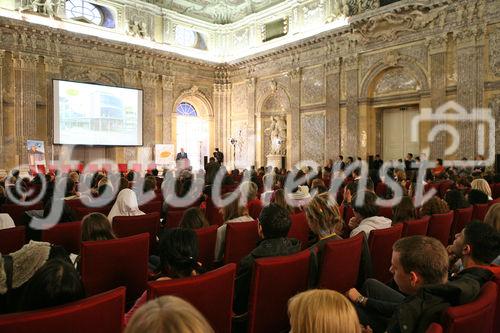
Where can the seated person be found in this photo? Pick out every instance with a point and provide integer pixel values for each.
(273, 227)
(434, 205)
(253, 204)
(476, 246)
(322, 311)
(55, 283)
(420, 268)
(168, 314)
(193, 218)
(404, 211)
(477, 197)
(365, 215)
(125, 205)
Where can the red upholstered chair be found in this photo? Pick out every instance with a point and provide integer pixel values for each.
(206, 244)
(461, 218)
(212, 213)
(124, 226)
(479, 212)
(241, 239)
(348, 213)
(122, 167)
(254, 208)
(440, 226)
(416, 227)
(495, 191)
(492, 202)
(275, 280)
(118, 262)
(380, 243)
(67, 235)
(339, 271)
(477, 316)
(101, 313)
(12, 239)
(496, 327)
(174, 218)
(385, 211)
(381, 189)
(16, 212)
(81, 211)
(153, 206)
(299, 229)
(211, 293)
(434, 328)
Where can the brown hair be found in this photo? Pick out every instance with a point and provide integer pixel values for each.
(233, 209)
(481, 185)
(149, 184)
(322, 311)
(280, 200)
(404, 211)
(96, 226)
(435, 205)
(368, 207)
(193, 218)
(493, 216)
(424, 255)
(168, 314)
(323, 215)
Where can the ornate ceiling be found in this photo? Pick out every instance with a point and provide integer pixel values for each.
(217, 11)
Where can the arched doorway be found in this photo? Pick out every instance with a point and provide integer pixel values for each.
(192, 134)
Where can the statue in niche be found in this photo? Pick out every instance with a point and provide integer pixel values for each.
(137, 29)
(46, 7)
(277, 131)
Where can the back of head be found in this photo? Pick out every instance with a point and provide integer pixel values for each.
(323, 215)
(179, 252)
(366, 208)
(193, 218)
(274, 221)
(484, 241)
(249, 190)
(493, 216)
(455, 200)
(232, 210)
(481, 185)
(435, 205)
(96, 226)
(477, 197)
(149, 184)
(168, 314)
(55, 283)
(404, 211)
(424, 255)
(322, 311)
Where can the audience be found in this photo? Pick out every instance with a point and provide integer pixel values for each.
(322, 311)
(365, 215)
(273, 227)
(404, 211)
(456, 200)
(193, 218)
(125, 205)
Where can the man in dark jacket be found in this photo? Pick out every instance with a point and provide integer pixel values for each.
(211, 170)
(273, 227)
(420, 268)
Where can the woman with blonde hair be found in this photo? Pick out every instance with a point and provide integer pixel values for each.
(483, 186)
(493, 216)
(322, 311)
(168, 314)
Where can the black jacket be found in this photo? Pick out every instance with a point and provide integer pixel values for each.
(266, 248)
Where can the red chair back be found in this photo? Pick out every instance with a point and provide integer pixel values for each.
(299, 229)
(416, 227)
(101, 313)
(461, 218)
(495, 191)
(254, 209)
(212, 213)
(380, 243)
(381, 189)
(119, 262)
(340, 271)
(241, 239)
(440, 226)
(385, 212)
(348, 213)
(434, 328)
(67, 235)
(479, 211)
(492, 202)
(124, 226)
(174, 218)
(81, 211)
(275, 280)
(12, 239)
(211, 293)
(16, 212)
(153, 206)
(206, 244)
(477, 316)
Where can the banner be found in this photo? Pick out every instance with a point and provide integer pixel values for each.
(36, 154)
(164, 154)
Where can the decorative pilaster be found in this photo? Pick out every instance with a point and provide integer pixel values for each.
(351, 68)
(52, 71)
(437, 51)
(293, 150)
(149, 81)
(167, 106)
(25, 101)
(131, 79)
(494, 105)
(332, 70)
(2, 159)
(222, 105)
(469, 84)
(251, 125)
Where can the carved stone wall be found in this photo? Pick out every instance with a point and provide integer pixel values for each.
(313, 136)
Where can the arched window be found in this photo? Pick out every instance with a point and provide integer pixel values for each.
(186, 109)
(82, 10)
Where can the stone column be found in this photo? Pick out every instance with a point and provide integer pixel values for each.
(437, 51)
(25, 101)
(222, 108)
(332, 70)
(470, 85)
(167, 106)
(52, 71)
(352, 116)
(293, 130)
(131, 78)
(149, 81)
(2, 157)
(251, 125)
